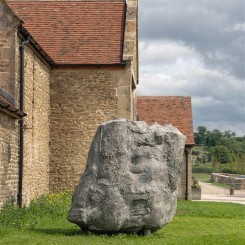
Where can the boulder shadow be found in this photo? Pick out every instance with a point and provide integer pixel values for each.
(74, 232)
(58, 231)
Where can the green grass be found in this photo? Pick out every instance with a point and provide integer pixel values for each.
(44, 222)
(207, 179)
(203, 177)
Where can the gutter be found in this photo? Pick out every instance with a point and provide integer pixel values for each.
(122, 64)
(21, 122)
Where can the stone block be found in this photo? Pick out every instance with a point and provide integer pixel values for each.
(130, 180)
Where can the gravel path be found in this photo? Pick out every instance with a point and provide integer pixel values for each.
(218, 194)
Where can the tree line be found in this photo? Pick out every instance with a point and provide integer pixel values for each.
(220, 147)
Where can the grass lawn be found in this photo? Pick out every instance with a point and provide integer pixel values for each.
(207, 179)
(44, 222)
(203, 177)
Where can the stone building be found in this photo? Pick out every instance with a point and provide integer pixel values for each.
(65, 67)
(175, 110)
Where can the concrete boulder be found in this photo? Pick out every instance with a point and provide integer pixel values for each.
(130, 180)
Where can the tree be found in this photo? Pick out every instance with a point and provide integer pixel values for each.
(214, 138)
(240, 166)
(201, 135)
(228, 134)
(234, 146)
(221, 154)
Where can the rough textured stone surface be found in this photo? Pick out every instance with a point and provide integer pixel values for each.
(175, 110)
(36, 128)
(8, 126)
(8, 38)
(130, 51)
(130, 179)
(36, 137)
(8, 159)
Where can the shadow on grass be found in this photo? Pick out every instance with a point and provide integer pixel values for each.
(58, 231)
(74, 232)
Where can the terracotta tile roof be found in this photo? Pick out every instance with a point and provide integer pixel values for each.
(175, 110)
(75, 32)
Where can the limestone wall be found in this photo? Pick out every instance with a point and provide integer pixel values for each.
(80, 100)
(232, 180)
(8, 159)
(36, 127)
(182, 184)
(131, 36)
(8, 125)
(8, 38)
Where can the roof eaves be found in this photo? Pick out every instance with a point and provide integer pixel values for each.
(7, 96)
(57, 65)
(26, 35)
(11, 110)
(124, 28)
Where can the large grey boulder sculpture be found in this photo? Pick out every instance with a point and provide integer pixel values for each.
(130, 180)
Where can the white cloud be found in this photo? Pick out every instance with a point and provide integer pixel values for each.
(163, 52)
(211, 27)
(236, 27)
(196, 48)
(218, 98)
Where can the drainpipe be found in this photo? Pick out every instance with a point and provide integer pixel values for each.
(21, 123)
(187, 176)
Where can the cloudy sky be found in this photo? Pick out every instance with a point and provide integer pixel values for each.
(196, 48)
